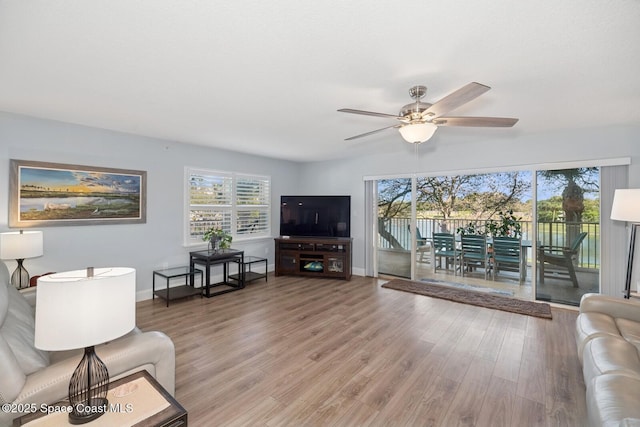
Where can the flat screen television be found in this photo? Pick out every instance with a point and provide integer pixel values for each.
(315, 216)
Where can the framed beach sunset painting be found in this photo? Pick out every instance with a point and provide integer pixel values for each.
(52, 194)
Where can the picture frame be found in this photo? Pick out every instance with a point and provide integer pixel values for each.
(45, 194)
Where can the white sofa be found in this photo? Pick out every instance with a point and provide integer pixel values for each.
(32, 376)
(608, 340)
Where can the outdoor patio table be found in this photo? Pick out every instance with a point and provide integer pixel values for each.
(524, 256)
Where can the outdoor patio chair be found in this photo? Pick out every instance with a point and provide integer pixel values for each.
(561, 256)
(506, 255)
(423, 247)
(444, 246)
(474, 253)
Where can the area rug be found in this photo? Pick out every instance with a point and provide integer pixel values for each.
(481, 299)
(469, 287)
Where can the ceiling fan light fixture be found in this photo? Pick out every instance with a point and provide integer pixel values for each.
(417, 133)
(417, 119)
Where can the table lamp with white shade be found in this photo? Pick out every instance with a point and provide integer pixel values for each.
(626, 207)
(20, 245)
(81, 309)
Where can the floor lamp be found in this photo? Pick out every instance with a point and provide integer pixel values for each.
(79, 309)
(626, 207)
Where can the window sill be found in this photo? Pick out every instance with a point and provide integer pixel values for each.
(240, 241)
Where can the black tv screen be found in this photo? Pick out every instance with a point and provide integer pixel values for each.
(315, 216)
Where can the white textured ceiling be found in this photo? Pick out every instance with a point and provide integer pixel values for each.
(267, 77)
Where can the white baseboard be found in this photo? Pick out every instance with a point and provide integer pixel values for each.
(146, 294)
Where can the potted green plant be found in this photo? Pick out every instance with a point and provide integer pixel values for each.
(508, 225)
(217, 238)
(470, 228)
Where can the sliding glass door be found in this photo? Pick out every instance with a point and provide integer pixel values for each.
(491, 205)
(393, 242)
(568, 222)
(412, 212)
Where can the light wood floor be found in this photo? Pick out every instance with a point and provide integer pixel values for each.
(314, 352)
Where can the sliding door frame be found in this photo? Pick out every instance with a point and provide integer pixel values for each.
(611, 270)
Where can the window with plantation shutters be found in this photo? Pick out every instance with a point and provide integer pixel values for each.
(237, 203)
(252, 205)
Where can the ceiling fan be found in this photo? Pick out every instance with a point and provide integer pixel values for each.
(419, 120)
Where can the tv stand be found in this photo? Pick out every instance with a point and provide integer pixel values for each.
(328, 257)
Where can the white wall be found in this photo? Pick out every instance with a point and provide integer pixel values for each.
(159, 242)
(461, 149)
(144, 247)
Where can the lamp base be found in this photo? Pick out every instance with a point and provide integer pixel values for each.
(632, 247)
(88, 388)
(20, 277)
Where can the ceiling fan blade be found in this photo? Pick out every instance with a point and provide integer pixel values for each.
(367, 113)
(456, 99)
(497, 122)
(372, 132)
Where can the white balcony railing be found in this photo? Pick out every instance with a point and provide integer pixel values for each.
(549, 233)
